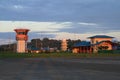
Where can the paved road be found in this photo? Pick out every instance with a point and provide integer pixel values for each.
(60, 69)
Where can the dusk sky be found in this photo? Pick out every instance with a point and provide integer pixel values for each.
(63, 18)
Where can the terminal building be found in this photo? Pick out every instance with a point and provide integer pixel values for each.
(98, 42)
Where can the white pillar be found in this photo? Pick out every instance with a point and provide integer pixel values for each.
(21, 46)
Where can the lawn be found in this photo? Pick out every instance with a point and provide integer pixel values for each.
(55, 55)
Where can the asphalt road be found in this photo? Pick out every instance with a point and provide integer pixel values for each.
(60, 69)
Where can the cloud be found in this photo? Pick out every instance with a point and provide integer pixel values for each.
(7, 38)
(59, 10)
(7, 41)
(71, 27)
(84, 36)
(87, 24)
(18, 7)
(9, 26)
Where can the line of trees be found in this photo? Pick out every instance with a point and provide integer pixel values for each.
(45, 43)
(38, 43)
(51, 43)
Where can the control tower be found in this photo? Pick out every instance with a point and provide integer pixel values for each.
(21, 37)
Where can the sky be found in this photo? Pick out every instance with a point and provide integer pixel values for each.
(59, 19)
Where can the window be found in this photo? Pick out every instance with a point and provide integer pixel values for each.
(21, 33)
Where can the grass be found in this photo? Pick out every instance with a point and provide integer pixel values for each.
(55, 55)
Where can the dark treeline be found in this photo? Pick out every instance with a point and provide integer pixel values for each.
(44, 43)
(8, 47)
(38, 43)
(51, 43)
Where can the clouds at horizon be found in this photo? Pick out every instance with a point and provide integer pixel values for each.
(70, 27)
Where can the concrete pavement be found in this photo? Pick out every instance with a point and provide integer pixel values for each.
(60, 69)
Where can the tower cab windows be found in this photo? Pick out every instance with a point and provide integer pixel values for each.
(21, 33)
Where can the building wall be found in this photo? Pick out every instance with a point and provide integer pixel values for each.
(106, 44)
(95, 40)
(82, 49)
(75, 50)
(22, 37)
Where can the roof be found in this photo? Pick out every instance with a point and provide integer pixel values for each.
(32, 48)
(83, 43)
(21, 29)
(101, 36)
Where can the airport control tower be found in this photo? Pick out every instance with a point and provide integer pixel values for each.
(21, 37)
